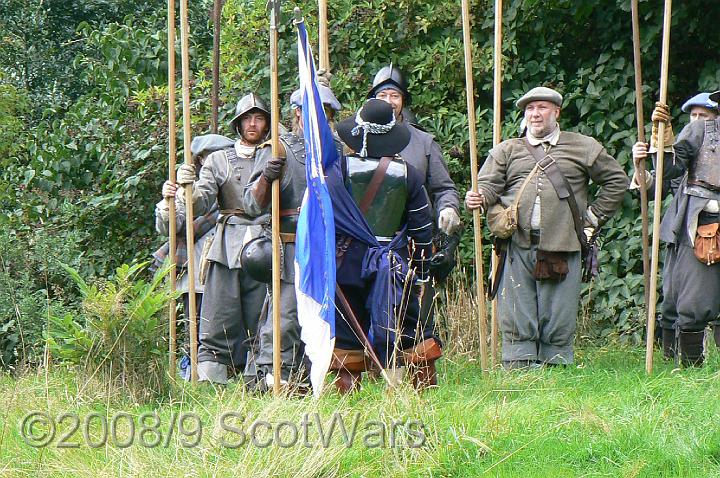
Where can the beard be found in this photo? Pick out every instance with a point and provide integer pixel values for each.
(545, 129)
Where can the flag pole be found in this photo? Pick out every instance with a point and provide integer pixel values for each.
(275, 217)
(324, 53)
(477, 219)
(657, 207)
(172, 151)
(497, 137)
(641, 137)
(217, 13)
(187, 154)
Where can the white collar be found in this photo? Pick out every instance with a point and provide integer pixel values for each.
(551, 138)
(244, 151)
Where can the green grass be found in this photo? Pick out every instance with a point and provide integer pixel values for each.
(603, 417)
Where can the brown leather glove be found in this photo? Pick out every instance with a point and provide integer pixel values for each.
(661, 113)
(273, 169)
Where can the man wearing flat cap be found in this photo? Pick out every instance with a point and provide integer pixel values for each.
(539, 291)
(289, 169)
(691, 275)
(381, 208)
(232, 299)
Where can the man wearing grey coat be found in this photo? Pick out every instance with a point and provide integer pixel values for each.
(691, 286)
(539, 292)
(289, 169)
(425, 155)
(203, 228)
(233, 300)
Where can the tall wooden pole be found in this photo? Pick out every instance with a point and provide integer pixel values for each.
(324, 58)
(477, 219)
(171, 176)
(641, 137)
(187, 154)
(275, 217)
(497, 137)
(217, 13)
(652, 297)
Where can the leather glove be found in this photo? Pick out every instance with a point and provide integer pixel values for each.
(273, 169)
(186, 174)
(448, 220)
(661, 113)
(475, 200)
(443, 261)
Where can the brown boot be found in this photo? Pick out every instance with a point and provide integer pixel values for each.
(691, 348)
(668, 344)
(349, 365)
(420, 361)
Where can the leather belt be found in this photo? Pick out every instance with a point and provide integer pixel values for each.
(290, 212)
(232, 212)
(287, 237)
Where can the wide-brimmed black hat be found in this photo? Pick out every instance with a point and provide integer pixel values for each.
(374, 131)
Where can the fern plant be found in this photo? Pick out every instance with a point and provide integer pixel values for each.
(121, 333)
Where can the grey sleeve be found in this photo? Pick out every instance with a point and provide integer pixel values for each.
(162, 217)
(212, 176)
(492, 177)
(253, 189)
(441, 188)
(613, 182)
(686, 149)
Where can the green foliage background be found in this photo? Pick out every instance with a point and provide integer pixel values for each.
(83, 122)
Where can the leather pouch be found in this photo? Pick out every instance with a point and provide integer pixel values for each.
(551, 266)
(707, 244)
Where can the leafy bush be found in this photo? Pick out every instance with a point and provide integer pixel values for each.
(121, 332)
(32, 287)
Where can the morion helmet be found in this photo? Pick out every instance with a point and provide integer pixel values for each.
(247, 103)
(390, 75)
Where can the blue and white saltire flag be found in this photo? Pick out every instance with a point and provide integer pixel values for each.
(315, 240)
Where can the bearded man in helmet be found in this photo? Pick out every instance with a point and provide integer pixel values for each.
(289, 169)
(233, 300)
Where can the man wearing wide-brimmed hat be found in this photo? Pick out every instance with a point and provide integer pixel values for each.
(540, 287)
(380, 205)
(232, 300)
(691, 284)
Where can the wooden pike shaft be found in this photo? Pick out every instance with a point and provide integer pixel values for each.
(275, 218)
(217, 12)
(172, 148)
(355, 324)
(324, 60)
(477, 220)
(497, 138)
(652, 297)
(641, 137)
(187, 154)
